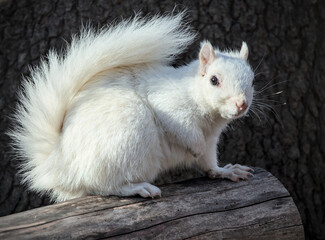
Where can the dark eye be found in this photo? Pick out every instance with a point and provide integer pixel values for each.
(214, 81)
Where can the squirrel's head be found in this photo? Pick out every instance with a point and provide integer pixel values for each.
(226, 81)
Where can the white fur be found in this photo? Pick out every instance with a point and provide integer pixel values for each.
(110, 114)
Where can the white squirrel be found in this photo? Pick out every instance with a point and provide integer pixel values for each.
(110, 114)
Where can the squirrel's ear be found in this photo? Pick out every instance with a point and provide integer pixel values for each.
(244, 51)
(207, 56)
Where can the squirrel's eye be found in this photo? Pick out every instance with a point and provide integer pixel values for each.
(214, 81)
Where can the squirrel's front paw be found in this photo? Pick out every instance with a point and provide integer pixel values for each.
(233, 172)
(238, 172)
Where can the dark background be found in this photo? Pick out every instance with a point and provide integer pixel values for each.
(285, 36)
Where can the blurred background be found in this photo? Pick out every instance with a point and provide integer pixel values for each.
(285, 135)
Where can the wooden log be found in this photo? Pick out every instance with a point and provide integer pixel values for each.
(259, 208)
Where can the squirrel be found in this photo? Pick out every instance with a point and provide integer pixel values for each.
(110, 113)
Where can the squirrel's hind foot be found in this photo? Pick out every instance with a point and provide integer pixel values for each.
(143, 189)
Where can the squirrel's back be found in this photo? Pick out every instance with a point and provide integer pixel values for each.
(47, 94)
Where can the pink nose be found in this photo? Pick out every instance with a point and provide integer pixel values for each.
(241, 106)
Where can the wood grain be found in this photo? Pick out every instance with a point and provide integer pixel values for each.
(260, 208)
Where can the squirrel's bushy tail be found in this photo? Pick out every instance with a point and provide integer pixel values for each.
(46, 95)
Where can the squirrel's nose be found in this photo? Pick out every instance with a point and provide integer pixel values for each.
(241, 106)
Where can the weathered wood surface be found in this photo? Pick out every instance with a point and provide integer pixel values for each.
(260, 208)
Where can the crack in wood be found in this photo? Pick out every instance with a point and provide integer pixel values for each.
(196, 214)
(239, 227)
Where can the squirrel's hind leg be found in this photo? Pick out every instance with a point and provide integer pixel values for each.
(144, 189)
